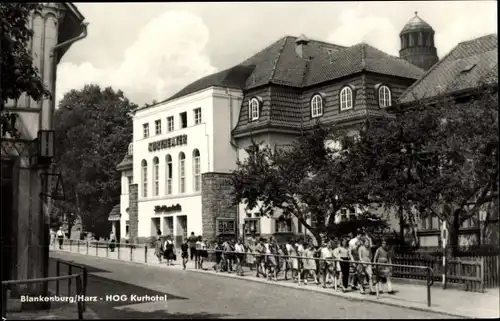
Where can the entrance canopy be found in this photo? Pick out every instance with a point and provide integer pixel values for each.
(115, 215)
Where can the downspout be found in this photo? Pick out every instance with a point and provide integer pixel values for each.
(46, 186)
(53, 55)
(235, 146)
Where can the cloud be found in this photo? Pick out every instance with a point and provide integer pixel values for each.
(355, 28)
(169, 53)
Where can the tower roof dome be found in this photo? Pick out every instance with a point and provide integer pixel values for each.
(416, 24)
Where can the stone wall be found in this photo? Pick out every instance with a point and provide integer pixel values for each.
(133, 212)
(216, 201)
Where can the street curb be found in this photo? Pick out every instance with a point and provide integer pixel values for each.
(310, 289)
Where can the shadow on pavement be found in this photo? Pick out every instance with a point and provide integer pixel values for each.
(64, 267)
(108, 309)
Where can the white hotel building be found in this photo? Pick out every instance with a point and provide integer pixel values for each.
(176, 177)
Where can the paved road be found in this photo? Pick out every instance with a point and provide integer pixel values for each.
(197, 295)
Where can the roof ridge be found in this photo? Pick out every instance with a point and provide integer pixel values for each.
(477, 38)
(410, 89)
(273, 72)
(363, 56)
(321, 41)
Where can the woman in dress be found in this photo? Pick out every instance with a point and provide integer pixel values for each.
(309, 265)
(259, 252)
(169, 250)
(293, 261)
(383, 255)
(251, 242)
(158, 246)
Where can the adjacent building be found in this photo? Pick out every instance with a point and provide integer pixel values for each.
(467, 66)
(25, 181)
(185, 147)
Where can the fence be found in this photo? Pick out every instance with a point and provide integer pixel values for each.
(69, 271)
(471, 273)
(120, 251)
(142, 253)
(79, 290)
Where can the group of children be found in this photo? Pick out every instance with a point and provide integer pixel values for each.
(345, 264)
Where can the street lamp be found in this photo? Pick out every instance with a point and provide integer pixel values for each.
(46, 148)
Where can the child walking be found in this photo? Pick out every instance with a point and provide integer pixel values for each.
(185, 255)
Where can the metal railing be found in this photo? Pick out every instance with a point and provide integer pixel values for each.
(120, 251)
(428, 270)
(80, 299)
(71, 266)
(76, 246)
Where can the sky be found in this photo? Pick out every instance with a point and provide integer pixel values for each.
(152, 50)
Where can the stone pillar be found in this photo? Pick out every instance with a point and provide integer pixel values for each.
(216, 201)
(133, 212)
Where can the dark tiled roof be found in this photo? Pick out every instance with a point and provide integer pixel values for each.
(115, 213)
(355, 59)
(280, 64)
(465, 66)
(125, 163)
(234, 77)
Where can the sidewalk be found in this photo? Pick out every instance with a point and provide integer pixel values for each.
(413, 296)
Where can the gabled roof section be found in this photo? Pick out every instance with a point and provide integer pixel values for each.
(351, 60)
(280, 64)
(234, 77)
(126, 163)
(468, 65)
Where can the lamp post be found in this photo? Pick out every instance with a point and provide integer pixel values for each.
(43, 153)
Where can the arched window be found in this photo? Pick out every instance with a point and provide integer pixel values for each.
(253, 108)
(196, 171)
(156, 176)
(384, 96)
(182, 172)
(346, 98)
(130, 149)
(168, 174)
(144, 178)
(316, 106)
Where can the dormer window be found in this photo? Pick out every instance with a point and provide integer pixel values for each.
(384, 96)
(317, 105)
(254, 109)
(346, 98)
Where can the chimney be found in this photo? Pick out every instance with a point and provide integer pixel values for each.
(301, 45)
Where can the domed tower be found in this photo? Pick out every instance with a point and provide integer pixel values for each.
(417, 43)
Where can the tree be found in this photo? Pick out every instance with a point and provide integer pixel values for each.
(439, 160)
(93, 129)
(310, 179)
(17, 73)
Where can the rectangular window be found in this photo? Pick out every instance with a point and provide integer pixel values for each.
(252, 226)
(197, 116)
(284, 225)
(169, 178)
(182, 176)
(170, 124)
(145, 130)
(183, 119)
(158, 127)
(226, 226)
